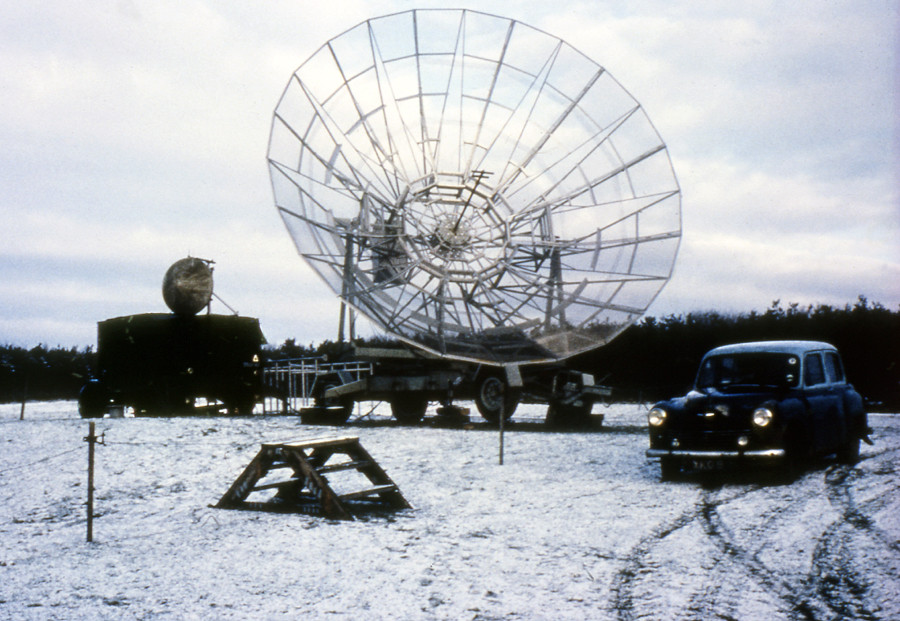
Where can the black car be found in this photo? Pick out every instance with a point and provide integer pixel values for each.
(779, 402)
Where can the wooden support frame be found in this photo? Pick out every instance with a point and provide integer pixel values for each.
(308, 489)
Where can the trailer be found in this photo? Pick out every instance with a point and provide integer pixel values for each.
(177, 363)
(169, 364)
(410, 379)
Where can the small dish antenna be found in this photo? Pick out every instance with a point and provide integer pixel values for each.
(188, 286)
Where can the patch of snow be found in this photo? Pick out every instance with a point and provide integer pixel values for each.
(574, 525)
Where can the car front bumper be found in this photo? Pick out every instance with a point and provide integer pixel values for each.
(698, 454)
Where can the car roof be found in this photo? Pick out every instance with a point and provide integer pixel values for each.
(786, 347)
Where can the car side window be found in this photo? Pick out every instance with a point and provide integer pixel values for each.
(833, 368)
(814, 372)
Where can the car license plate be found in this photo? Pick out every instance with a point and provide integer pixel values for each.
(707, 465)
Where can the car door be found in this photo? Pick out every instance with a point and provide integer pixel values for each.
(834, 374)
(820, 400)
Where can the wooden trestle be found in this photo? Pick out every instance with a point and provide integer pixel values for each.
(308, 490)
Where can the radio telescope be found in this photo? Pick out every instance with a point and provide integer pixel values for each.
(475, 186)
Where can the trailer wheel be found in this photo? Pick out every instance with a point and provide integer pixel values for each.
(409, 408)
(339, 415)
(492, 395)
(242, 406)
(569, 416)
(93, 400)
(338, 409)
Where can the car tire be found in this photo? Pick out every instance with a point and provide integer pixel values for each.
(668, 468)
(792, 465)
(849, 452)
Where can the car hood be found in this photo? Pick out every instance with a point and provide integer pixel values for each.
(733, 404)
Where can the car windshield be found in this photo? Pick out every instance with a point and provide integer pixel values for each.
(747, 370)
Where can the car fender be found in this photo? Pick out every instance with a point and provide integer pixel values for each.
(853, 404)
(857, 417)
(793, 411)
(671, 405)
(795, 424)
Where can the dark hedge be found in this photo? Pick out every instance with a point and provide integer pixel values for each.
(653, 359)
(658, 358)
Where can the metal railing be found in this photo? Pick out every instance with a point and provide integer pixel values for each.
(290, 383)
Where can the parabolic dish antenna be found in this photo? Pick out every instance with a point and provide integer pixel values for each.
(475, 186)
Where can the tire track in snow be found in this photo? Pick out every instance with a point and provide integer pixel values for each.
(837, 584)
(840, 494)
(705, 601)
(708, 599)
(639, 567)
(800, 598)
(835, 572)
(635, 563)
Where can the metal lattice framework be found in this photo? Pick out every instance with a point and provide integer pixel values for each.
(475, 186)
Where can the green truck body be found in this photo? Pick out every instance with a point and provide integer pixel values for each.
(162, 364)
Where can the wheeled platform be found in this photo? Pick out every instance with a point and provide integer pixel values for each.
(409, 380)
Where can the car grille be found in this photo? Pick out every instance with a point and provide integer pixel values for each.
(709, 440)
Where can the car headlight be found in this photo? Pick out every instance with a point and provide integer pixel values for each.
(762, 417)
(656, 417)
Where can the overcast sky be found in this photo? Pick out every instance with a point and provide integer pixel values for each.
(134, 133)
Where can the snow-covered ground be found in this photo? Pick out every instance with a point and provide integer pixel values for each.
(572, 526)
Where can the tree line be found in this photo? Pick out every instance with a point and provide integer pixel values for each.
(658, 358)
(652, 359)
(42, 373)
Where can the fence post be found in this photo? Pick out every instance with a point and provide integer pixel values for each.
(91, 439)
(513, 381)
(500, 436)
(24, 398)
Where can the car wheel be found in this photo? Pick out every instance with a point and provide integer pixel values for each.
(849, 452)
(796, 453)
(668, 468)
(792, 465)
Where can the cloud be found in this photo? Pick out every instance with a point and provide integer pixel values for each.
(751, 237)
(735, 274)
(780, 85)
